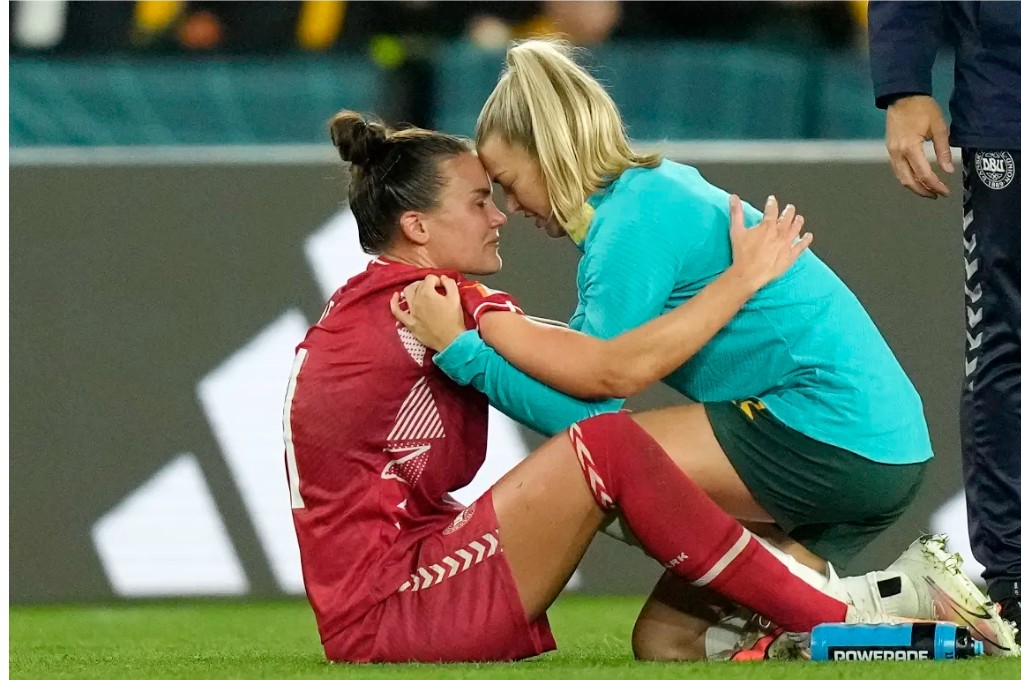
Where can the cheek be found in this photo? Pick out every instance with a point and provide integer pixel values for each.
(539, 198)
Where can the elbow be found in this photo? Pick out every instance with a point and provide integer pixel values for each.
(619, 383)
(622, 375)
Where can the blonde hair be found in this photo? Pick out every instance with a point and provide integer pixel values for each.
(553, 108)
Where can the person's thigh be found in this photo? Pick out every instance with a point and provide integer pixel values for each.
(548, 517)
(547, 520)
(688, 438)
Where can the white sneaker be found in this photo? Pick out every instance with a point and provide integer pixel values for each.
(941, 591)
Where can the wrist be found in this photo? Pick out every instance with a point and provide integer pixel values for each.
(911, 102)
(444, 341)
(743, 280)
(892, 100)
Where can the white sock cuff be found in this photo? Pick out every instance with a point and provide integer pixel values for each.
(823, 582)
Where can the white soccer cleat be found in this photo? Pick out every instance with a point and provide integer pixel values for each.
(941, 591)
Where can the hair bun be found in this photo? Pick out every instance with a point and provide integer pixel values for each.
(358, 140)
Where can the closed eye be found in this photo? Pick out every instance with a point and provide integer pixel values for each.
(482, 194)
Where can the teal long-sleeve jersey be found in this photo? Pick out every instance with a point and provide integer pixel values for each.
(803, 345)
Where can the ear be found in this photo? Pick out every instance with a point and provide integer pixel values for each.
(413, 227)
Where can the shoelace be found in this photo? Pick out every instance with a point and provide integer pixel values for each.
(953, 562)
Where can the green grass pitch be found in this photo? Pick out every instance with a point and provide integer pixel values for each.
(220, 639)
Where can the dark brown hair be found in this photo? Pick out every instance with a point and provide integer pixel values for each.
(392, 172)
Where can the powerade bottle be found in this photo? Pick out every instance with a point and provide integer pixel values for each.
(893, 642)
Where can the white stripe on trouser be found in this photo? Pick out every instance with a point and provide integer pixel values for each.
(973, 293)
(724, 561)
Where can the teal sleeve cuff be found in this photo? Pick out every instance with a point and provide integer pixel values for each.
(456, 359)
(469, 361)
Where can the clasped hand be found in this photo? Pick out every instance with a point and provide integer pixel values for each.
(434, 313)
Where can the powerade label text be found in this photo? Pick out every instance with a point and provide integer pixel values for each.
(881, 654)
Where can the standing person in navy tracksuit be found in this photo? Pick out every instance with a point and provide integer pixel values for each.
(986, 124)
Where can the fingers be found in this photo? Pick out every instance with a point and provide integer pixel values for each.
(411, 290)
(786, 218)
(788, 229)
(770, 212)
(736, 215)
(399, 314)
(941, 143)
(801, 245)
(924, 173)
(450, 287)
(792, 231)
(429, 283)
(906, 176)
(799, 223)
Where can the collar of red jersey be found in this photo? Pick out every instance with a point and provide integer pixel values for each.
(382, 261)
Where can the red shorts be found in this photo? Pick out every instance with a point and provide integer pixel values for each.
(459, 603)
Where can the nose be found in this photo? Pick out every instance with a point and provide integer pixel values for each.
(512, 204)
(499, 219)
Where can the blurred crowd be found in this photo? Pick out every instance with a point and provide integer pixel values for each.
(388, 30)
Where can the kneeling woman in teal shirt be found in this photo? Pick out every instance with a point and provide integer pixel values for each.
(804, 419)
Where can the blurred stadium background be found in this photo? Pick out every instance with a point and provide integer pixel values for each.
(177, 220)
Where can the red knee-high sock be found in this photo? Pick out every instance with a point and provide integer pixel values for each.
(689, 534)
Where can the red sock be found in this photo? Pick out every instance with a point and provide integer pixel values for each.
(689, 534)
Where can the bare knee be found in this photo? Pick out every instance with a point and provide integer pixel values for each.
(652, 641)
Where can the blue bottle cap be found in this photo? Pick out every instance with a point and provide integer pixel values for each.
(980, 648)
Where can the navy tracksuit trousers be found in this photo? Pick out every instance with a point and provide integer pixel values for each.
(991, 394)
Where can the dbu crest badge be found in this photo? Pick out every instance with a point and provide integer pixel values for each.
(994, 168)
(462, 518)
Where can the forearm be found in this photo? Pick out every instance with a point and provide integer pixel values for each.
(646, 354)
(569, 361)
(469, 361)
(592, 368)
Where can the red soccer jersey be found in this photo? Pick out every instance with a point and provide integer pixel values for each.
(376, 437)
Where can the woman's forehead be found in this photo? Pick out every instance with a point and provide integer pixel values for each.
(467, 168)
(498, 156)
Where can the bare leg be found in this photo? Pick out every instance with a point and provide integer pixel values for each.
(673, 622)
(547, 520)
(686, 435)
